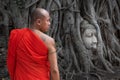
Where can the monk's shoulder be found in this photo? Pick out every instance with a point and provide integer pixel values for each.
(50, 40)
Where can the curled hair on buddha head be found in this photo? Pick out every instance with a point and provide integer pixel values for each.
(85, 25)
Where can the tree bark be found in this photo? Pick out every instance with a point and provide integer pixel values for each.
(74, 59)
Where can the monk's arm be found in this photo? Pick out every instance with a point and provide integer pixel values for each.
(53, 61)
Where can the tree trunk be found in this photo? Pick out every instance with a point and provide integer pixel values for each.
(75, 60)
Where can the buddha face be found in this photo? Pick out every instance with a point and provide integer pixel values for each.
(89, 38)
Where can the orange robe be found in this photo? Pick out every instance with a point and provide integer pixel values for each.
(27, 57)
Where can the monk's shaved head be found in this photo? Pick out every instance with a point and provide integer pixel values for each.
(38, 13)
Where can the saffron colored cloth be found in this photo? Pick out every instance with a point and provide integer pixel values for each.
(27, 57)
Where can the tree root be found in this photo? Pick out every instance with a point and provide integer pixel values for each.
(96, 75)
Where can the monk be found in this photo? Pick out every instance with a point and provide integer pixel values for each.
(32, 53)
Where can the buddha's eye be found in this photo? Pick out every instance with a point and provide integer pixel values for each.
(89, 35)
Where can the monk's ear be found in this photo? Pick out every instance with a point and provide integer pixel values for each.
(38, 21)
